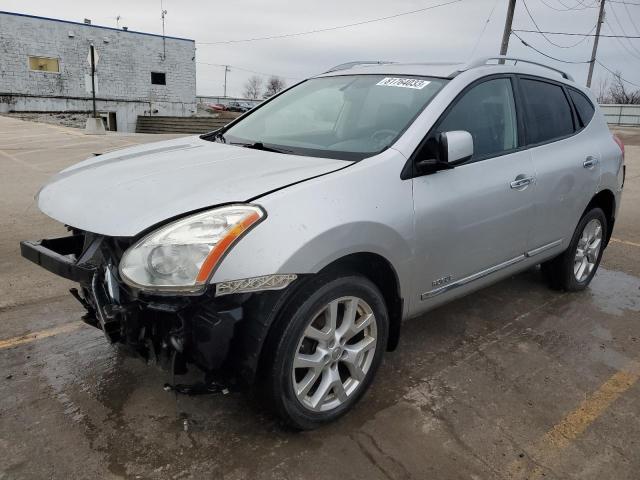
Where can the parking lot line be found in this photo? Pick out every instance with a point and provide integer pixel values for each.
(550, 446)
(21, 162)
(626, 242)
(30, 337)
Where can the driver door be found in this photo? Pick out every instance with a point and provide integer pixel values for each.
(475, 219)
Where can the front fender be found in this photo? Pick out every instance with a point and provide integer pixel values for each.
(347, 239)
(363, 208)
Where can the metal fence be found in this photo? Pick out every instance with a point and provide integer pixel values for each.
(205, 99)
(628, 115)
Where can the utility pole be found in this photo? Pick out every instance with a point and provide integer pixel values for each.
(164, 46)
(94, 125)
(592, 63)
(226, 69)
(93, 79)
(507, 28)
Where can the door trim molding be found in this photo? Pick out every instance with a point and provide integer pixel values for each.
(471, 278)
(543, 248)
(489, 271)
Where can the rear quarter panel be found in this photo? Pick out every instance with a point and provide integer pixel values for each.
(611, 159)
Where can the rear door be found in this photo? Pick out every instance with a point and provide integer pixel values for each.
(566, 159)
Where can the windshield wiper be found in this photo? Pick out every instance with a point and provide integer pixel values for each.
(216, 136)
(262, 146)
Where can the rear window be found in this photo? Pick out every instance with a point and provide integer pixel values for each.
(548, 113)
(584, 107)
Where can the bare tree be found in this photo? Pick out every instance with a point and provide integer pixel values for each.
(274, 85)
(603, 91)
(252, 87)
(620, 94)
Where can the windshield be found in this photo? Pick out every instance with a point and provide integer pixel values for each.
(345, 117)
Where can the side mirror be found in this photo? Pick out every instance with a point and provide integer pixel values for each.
(452, 149)
(456, 147)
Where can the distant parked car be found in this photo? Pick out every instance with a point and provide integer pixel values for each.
(217, 107)
(286, 248)
(238, 107)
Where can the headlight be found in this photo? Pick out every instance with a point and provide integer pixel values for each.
(183, 255)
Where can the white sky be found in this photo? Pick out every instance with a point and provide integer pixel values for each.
(447, 33)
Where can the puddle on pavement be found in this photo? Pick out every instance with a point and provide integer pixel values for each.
(614, 292)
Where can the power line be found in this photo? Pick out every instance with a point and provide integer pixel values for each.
(250, 71)
(567, 9)
(635, 27)
(544, 54)
(593, 4)
(630, 52)
(578, 6)
(615, 15)
(625, 3)
(615, 73)
(547, 38)
(484, 28)
(328, 29)
(576, 34)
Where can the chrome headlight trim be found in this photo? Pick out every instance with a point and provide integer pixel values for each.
(255, 284)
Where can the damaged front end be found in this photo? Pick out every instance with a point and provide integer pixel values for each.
(171, 330)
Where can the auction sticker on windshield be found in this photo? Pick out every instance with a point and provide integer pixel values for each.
(403, 83)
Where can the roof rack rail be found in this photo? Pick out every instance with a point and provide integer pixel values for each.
(483, 61)
(346, 66)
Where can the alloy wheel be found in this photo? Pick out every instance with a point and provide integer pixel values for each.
(334, 354)
(588, 249)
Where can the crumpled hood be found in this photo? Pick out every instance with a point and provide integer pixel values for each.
(127, 191)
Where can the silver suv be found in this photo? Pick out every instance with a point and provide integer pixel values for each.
(284, 250)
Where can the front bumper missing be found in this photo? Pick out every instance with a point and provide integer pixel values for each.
(59, 256)
(68, 257)
(198, 330)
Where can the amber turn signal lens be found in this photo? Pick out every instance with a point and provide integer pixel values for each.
(223, 245)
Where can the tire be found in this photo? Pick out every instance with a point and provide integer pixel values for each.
(561, 272)
(329, 375)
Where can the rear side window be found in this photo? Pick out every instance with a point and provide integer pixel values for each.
(584, 107)
(548, 113)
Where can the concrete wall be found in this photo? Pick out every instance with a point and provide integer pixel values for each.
(622, 114)
(126, 112)
(125, 62)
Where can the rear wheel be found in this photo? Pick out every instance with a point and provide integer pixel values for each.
(574, 269)
(326, 349)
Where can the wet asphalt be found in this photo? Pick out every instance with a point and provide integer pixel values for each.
(514, 381)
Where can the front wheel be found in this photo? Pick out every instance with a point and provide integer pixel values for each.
(574, 269)
(327, 348)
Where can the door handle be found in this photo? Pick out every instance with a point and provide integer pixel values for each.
(521, 182)
(590, 162)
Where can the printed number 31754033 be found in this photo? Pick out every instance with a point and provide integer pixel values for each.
(403, 82)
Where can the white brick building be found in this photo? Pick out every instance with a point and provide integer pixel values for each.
(44, 68)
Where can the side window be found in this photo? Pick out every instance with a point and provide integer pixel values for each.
(583, 106)
(548, 113)
(488, 113)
